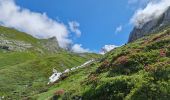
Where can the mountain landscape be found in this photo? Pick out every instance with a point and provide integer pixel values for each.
(138, 70)
(26, 63)
(34, 68)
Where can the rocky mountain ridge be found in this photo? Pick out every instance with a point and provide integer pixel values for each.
(151, 26)
(51, 45)
(13, 40)
(14, 45)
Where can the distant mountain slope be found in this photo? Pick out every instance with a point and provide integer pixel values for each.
(26, 63)
(13, 40)
(151, 26)
(136, 71)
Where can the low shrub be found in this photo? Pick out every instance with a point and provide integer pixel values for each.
(115, 89)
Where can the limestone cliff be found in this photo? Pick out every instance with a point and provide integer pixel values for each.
(151, 26)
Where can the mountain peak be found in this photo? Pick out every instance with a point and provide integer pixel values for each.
(51, 44)
(53, 39)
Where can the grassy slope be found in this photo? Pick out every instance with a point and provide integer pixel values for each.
(71, 85)
(13, 34)
(139, 70)
(28, 77)
(26, 73)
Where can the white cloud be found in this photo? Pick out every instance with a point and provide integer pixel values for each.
(153, 10)
(107, 48)
(118, 29)
(36, 24)
(77, 48)
(74, 27)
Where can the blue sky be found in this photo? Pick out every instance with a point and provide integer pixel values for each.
(100, 22)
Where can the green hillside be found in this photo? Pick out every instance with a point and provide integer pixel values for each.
(135, 71)
(138, 70)
(25, 72)
(14, 40)
(16, 35)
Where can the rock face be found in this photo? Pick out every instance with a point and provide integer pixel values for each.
(14, 40)
(51, 45)
(42, 45)
(150, 27)
(14, 45)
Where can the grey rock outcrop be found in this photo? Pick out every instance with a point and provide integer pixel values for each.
(13, 40)
(150, 27)
(14, 45)
(51, 45)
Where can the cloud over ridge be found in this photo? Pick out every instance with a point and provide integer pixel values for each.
(153, 10)
(107, 48)
(78, 48)
(36, 24)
